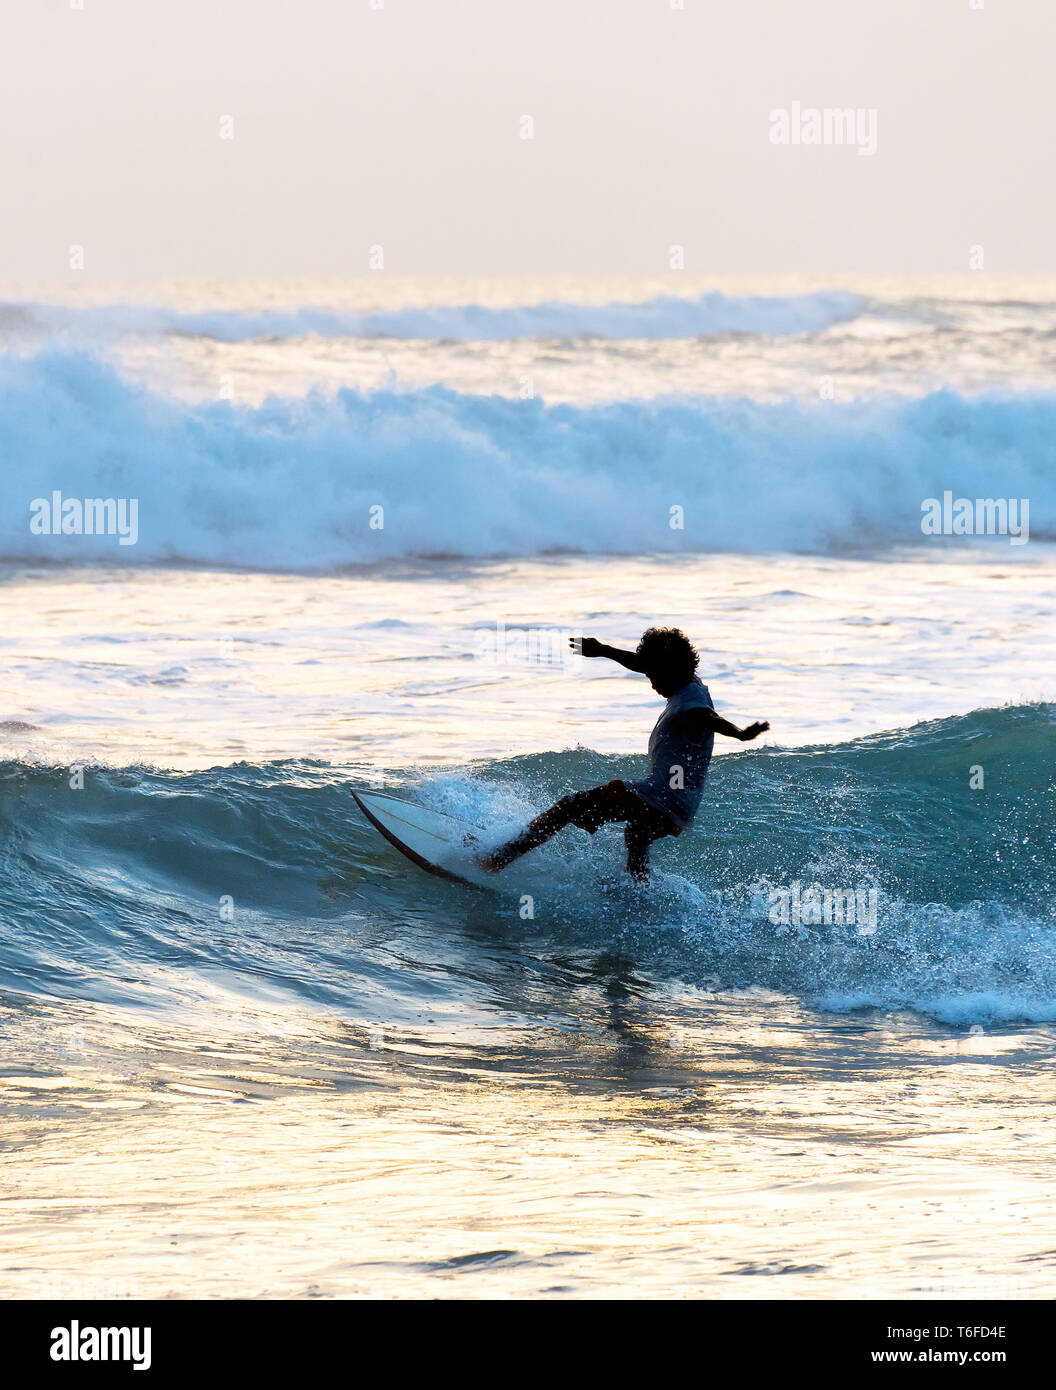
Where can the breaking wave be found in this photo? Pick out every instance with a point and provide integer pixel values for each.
(294, 483)
(111, 893)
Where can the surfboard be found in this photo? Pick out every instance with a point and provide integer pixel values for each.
(438, 843)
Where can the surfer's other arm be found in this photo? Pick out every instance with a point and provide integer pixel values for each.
(718, 725)
(590, 646)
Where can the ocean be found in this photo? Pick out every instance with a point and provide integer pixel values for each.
(249, 1050)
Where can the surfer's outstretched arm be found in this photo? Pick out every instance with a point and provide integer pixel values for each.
(590, 646)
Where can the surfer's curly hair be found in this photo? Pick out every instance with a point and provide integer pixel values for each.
(669, 651)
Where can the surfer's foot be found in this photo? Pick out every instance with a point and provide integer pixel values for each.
(535, 834)
(498, 859)
(492, 863)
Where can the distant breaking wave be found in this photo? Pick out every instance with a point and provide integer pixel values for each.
(664, 317)
(290, 484)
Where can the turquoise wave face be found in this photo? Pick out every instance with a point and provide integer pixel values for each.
(141, 885)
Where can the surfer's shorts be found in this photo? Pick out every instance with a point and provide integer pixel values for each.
(616, 802)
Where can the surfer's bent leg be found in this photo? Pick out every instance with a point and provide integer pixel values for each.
(587, 810)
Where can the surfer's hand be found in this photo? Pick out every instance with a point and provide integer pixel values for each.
(585, 646)
(753, 731)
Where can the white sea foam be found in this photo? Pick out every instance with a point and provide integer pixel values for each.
(291, 484)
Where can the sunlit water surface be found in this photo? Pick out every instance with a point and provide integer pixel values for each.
(371, 1083)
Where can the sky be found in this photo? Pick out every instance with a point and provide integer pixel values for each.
(257, 137)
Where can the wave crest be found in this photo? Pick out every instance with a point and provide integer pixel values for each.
(667, 316)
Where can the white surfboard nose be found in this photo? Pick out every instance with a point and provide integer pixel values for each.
(438, 843)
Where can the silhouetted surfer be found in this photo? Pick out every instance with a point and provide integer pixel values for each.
(665, 802)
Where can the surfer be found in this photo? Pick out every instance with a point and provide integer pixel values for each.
(665, 802)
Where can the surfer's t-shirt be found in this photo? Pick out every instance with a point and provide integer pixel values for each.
(679, 754)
